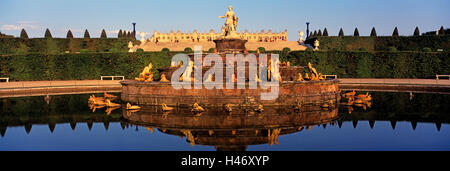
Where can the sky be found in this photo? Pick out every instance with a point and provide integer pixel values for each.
(254, 15)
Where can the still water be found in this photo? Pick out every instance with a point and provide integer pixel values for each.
(394, 121)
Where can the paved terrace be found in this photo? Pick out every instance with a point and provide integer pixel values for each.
(40, 88)
(397, 85)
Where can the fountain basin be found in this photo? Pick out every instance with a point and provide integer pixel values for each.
(290, 92)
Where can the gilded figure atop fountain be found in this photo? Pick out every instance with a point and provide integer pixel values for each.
(230, 23)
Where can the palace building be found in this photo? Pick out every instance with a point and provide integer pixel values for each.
(209, 37)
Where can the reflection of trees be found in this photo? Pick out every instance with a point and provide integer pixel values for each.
(72, 109)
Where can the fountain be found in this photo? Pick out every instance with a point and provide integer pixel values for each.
(312, 89)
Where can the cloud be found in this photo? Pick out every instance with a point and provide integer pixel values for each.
(10, 27)
(113, 32)
(28, 25)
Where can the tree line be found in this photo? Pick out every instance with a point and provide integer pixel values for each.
(373, 33)
(121, 34)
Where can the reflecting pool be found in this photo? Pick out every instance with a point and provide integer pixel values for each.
(393, 121)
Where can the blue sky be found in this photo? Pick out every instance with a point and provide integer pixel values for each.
(186, 15)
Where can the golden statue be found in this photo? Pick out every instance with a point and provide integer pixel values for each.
(300, 77)
(228, 108)
(321, 77)
(233, 77)
(307, 76)
(230, 24)
(260, 108)
(257, 79)
(165, 108)
(111, 104)
(146, 75)
(209, 79)
(197, 108)
(163, 79)
(130, 107)
(313, 71)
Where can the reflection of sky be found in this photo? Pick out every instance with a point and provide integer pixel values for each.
(382, 137)
(254, 15)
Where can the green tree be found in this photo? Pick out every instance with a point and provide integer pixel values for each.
(442, 31)
(120, 34)
(48, 34)
(373, 33)
(356, 33)
(211, 50)
(315, 33)
(103, 35)
(139, 50)
(395, 33)
(319, 33)
(165, 50)
(417, 32)
(23, 34)
(69, 34)
(341, 33)
(325, 32)
(86, 34)
(262, 50)
(188, 50)
(286, 49)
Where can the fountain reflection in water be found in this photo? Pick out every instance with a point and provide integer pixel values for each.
(216, 127)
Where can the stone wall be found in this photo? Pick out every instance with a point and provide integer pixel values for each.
(173, 37)
(253, 46)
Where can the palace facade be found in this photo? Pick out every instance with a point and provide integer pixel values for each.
(208, 37)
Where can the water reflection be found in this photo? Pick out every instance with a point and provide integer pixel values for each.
(216, 127)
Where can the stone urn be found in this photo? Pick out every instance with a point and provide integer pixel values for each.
(316, 45)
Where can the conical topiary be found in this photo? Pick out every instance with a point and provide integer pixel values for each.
(103, 35)
(442, 31)
(86, 34)
(325, 32)
(395, 33)
(69, 34)
(417, 32)
(373, 33)
(341, 33)
(23, 34)
(319, 33)
(47, 34)
(315, 33)
(356, 33)
(119, 35)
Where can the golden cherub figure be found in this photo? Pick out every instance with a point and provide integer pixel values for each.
(300, 77)
(233, 77)
(313, 71)
(163, 79)
(257, 79)
(307, 76)
(146, 75)
(209, 79)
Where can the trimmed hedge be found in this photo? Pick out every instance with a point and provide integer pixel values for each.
(35, 67)
(375, 64)
(381, 43)
(61, 45)
(345, 64)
